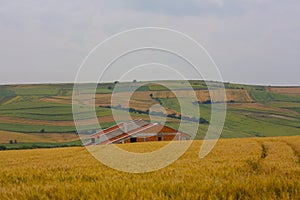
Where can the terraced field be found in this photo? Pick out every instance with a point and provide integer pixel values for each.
(256, 168)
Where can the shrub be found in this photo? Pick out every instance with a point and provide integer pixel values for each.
(2, 148)
(206, 102)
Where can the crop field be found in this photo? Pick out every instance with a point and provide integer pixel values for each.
(286, 90)
(6, 136)
(45, 109)
(248, 162)
(256, 168)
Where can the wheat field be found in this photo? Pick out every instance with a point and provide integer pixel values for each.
(257, 168)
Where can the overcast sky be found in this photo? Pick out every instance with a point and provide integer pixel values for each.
(251, 41)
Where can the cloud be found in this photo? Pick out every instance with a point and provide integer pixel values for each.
(220, 8)
(188, 7)
(49, 39)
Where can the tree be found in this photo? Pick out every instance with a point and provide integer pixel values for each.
(151, 95)
(134, 81)
(42, 131)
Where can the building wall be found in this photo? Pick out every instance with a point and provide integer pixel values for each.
(168, 137)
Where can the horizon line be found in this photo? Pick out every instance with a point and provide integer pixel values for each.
(130, 81)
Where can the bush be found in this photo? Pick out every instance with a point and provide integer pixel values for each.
(2, 148)
(206, 102)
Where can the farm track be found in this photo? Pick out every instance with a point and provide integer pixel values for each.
(296, 152)
(264, 152)
(277, 156)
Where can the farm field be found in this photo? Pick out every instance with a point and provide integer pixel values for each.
(43, 113)
(37, 137)
(250, 168)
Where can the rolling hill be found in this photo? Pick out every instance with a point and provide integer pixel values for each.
(42, 113)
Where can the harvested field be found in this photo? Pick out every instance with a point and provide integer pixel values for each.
(6, 136)
(285, 90)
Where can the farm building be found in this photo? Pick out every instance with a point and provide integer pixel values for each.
(136, 131)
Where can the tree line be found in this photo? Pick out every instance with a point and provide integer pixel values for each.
(200, 120)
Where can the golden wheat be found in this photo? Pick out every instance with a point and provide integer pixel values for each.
(266, 168)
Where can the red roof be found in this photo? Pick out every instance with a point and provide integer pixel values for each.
(123, 130)
(124, 135)
(112, 128)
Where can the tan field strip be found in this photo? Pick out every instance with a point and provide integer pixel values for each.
(5, 136)
(285, 90)
(259, 106)
(237, 95)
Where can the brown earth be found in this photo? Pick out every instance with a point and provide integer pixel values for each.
(285, 90)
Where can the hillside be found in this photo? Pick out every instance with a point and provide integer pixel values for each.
(43, 113)
(255, 168)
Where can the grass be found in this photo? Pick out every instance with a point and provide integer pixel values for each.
(264, 96)
(253, 126)
(244, 122)
(27, 128)
(37, 145)
(32, 102)
(6, 94)
(235, 169)
(297, 109)
(36, 90)
(46, 111)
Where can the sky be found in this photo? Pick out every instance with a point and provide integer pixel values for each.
(251, 41)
